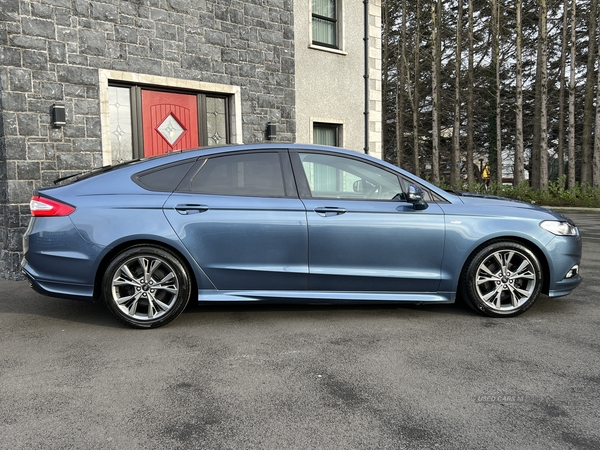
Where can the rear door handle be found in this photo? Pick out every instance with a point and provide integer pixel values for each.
(190, 208)
(327, 211)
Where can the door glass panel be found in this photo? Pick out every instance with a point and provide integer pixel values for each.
(171, 130)
(119, 103)
(346, 178)
(257, 174)
(216, 120)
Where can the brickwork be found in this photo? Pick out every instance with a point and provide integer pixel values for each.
(51, 50)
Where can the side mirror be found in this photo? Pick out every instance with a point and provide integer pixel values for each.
(415, 196)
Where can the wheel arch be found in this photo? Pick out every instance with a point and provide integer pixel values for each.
(110, 255)
(537, 251)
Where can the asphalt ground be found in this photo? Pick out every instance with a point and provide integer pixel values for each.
(304, 377)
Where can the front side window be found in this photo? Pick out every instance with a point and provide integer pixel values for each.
(324, 23)
(250, 174)
(347, 178)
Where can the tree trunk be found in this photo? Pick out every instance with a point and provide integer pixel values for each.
(534, 162)
(384, 70)
(561, 92)
(400, 90)
(470, 101)
(543, 36)
(416, 99)
(435, 85)
(596, 170)
(571, 143)
(519, 167)
(497, 168)
(588, 111)
(455, 157)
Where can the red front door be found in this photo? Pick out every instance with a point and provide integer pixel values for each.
(170, 122)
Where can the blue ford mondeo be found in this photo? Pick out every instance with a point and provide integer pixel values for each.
(288, 223)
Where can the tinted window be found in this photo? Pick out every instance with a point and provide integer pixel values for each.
(340, 177)
(253, 174)
(164, 178)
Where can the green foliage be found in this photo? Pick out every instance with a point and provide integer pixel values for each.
(556, 194)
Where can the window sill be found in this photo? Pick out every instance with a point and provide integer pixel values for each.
(327, 49)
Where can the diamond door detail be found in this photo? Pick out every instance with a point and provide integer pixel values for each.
(170, 122)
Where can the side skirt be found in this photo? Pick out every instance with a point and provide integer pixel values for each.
(324, 296)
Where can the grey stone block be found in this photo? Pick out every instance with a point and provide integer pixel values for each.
(19, 191)
(126, 34)
(28, 42)
(19, 80)
(13, 101)
(104, 12)
(28, 124)
(38, 27)
(10, 57)
(28, 170)
(9, 10)
(92, 42)
(57, 52)
(36, 60)
(76, 75)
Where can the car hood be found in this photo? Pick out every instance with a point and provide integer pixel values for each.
(494, 201)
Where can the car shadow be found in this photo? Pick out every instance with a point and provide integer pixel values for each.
(456, 309)
(16, 297)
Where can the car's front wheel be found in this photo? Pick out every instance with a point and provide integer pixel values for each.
(502, 279)
(146, 287)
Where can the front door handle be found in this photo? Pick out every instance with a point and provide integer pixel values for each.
(327, 211)
(190, 208)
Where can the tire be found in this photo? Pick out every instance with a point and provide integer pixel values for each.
(146, 287)
(503, 279)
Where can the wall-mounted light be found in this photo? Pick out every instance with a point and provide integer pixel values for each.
(271, 131)
(59, 115)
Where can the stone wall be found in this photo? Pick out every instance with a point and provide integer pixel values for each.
(51, 50)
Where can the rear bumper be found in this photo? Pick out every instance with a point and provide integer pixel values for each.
(57, 289)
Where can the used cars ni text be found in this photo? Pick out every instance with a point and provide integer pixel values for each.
(288, 222)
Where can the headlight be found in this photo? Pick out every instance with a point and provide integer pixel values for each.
(560, 228)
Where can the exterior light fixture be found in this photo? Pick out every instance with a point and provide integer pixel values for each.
(58, 115)
(271, 131)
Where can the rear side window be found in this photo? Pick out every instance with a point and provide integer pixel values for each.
(251, 174)
(165, 178)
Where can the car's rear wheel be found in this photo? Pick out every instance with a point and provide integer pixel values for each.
(146, 287)
(502, 279)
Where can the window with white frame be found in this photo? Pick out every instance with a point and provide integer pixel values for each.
(325, 23)
(327, 134)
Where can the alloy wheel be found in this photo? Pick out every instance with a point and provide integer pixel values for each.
(505, 280)
(145, 287)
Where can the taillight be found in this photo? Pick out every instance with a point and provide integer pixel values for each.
(44, 207)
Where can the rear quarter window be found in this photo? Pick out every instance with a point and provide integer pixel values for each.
(164, 178)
